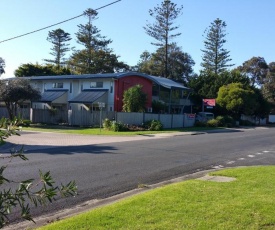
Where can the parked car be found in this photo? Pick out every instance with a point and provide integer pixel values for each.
(204, 116)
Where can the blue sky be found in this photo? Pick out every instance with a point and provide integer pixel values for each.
(249, 27)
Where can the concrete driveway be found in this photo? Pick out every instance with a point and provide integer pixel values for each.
(40, 140)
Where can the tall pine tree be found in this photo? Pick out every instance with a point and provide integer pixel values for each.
(215, 58)
(96, 57)
(59, 38)
(163, 27)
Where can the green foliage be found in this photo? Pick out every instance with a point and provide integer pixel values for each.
(30, 70)
(238, 99)
(153, 125)
(219, 121)
(134, 99)
(268, 88)
(59, 39)
(36, 191)
(8, 128)
(158, 106)
(114, 126)
(215, 58)
(26, 123)
(256, 69)
(179, 67)
(264, 106)
(89, 35)
(107, 124)
(15, 91)
(225, 121)
(163, 28)
(200, 124)
(118, 126)
(212, 123)
(102, 61)
(96, 57)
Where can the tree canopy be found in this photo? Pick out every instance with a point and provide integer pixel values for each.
(102, 62)
(256, 69)
(180, 64)
(16, 91)
(207, 85)
(29, 70)
(215, 58)
(269, 83)
(59, 38)
(163, 29)
(237, 99)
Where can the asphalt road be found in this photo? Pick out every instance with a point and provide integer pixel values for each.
(106, 169)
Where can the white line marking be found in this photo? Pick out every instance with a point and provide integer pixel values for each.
(241, 159)
(217, 167)
(251, 156)
(230, 162)
(259, 153)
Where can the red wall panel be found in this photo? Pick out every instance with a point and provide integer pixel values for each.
(127, 82)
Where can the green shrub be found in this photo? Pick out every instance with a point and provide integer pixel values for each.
(118, 126)
(212, 123)
(107, 124)
(26, 123)
(200, 124)
(225, 121)
(153, 125)
(156, 125)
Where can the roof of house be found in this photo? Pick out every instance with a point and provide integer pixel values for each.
(88, 96)
(165, 82)
(51, 95)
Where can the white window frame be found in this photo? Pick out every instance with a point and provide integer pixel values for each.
(58, 85)
(96, 84)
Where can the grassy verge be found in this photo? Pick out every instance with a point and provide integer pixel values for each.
(246, 203)
(97, 131)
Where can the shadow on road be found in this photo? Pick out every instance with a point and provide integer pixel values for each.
(55, 150)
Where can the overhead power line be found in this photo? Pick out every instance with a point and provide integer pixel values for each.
(57, 23)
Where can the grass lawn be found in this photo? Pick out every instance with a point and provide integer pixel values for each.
(246, 203)
(97, 131)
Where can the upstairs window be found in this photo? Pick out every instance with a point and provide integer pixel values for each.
(58, 85)
(96, 84)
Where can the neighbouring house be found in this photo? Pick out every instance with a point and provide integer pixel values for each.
(90, 92)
